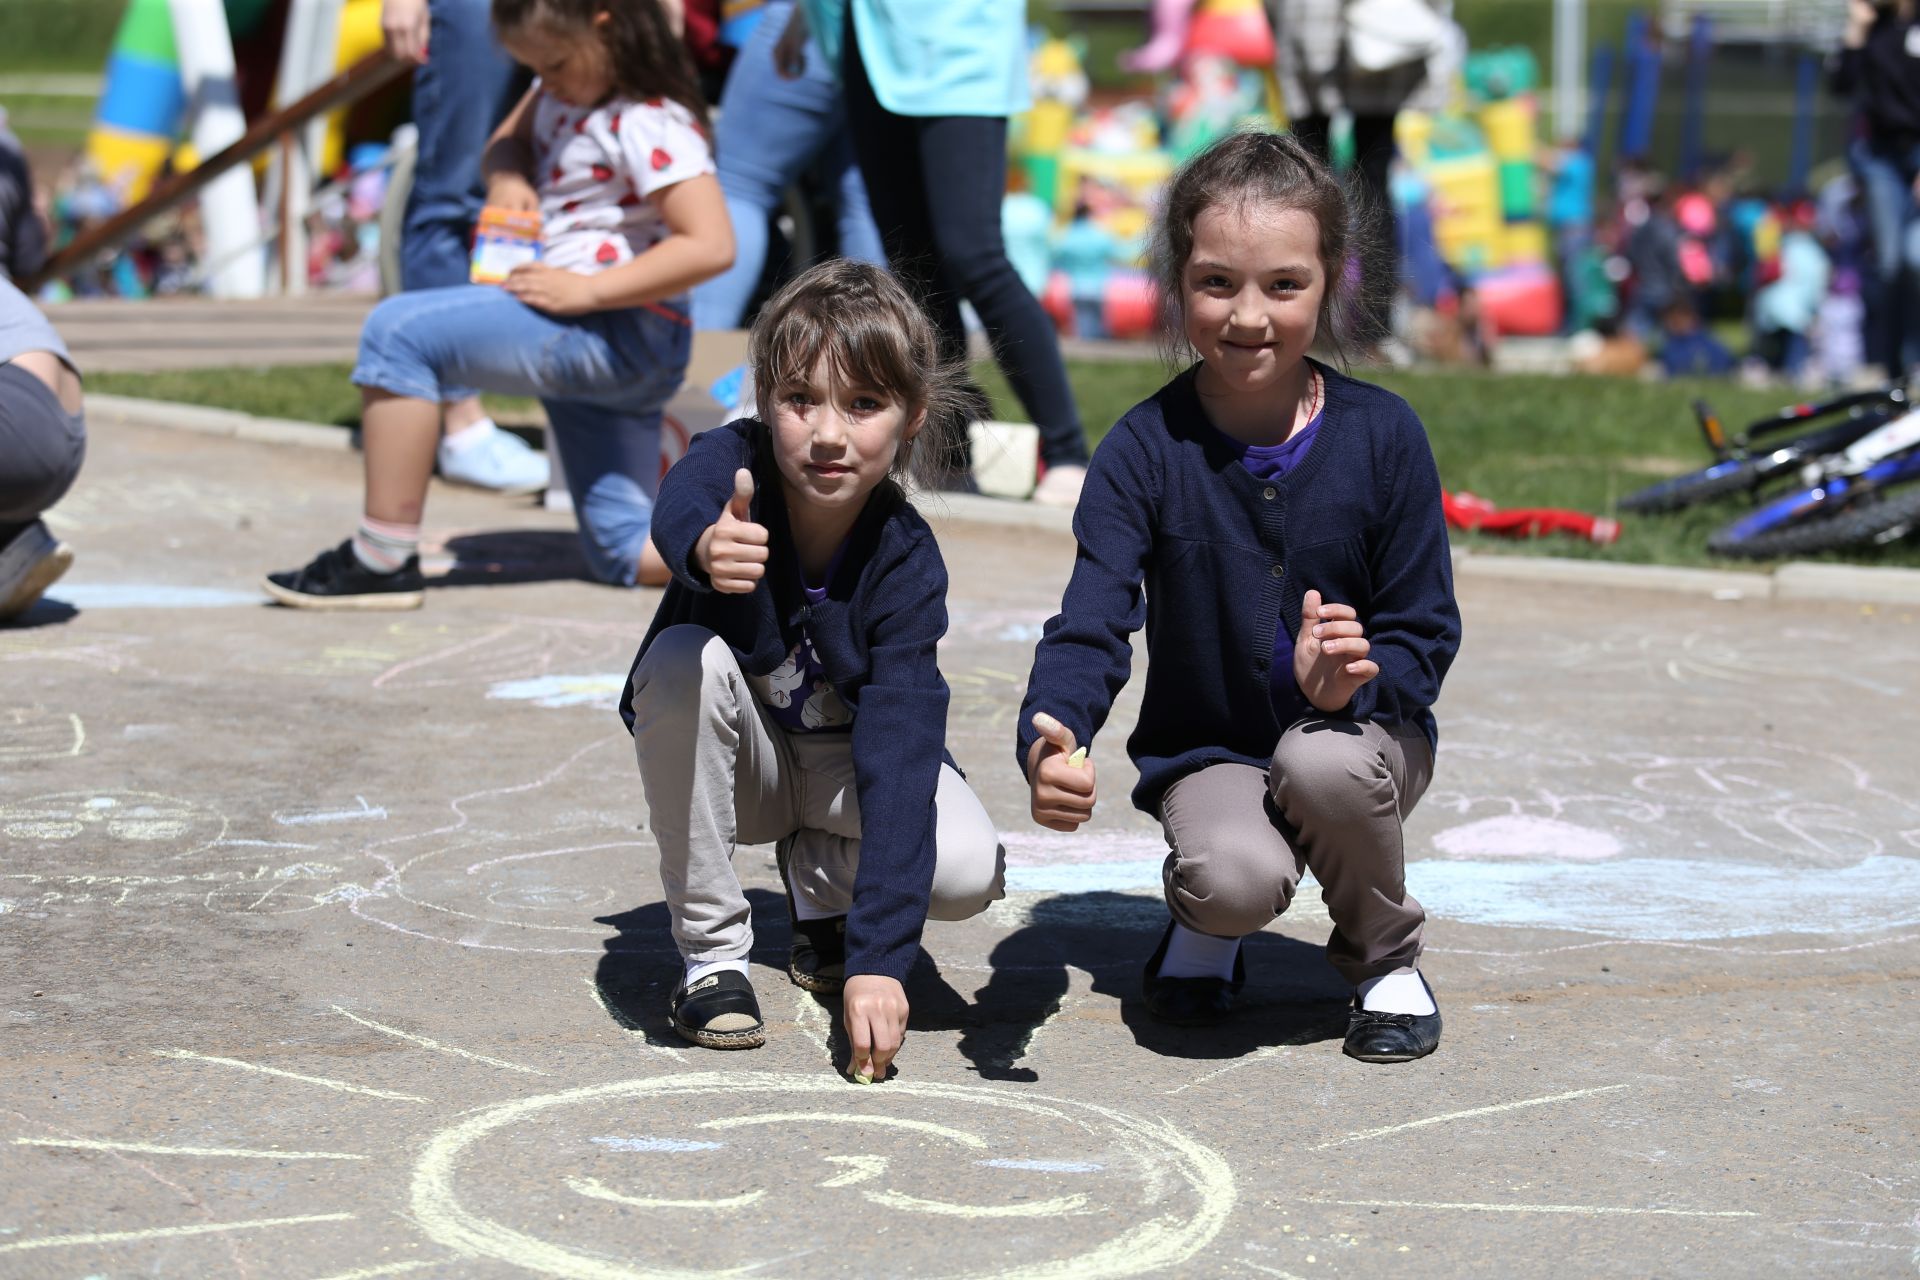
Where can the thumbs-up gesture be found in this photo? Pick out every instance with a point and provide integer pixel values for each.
(1330, 653)
(1060, 776)
(733, 550)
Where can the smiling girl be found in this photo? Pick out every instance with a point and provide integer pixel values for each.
(609, 146)
(1285, 523)
(789, 688)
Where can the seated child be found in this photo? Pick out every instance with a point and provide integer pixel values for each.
(609, 145)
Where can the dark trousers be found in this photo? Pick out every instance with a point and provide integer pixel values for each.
(1372, 207)
(41, 446)
(935, 184)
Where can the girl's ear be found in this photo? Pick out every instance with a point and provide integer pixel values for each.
(913, 427)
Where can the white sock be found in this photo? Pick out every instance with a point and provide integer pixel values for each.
(1398, 992)
(469, 435)
(698, 969)
(1198, 955)
(383, 546)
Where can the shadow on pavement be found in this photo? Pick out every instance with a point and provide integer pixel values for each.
(512, 556)
(47, 611)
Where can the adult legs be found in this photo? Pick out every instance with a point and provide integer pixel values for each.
(964, 166)
(1890, 209)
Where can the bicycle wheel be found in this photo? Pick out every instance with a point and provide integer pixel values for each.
(1716, 481)
(1881, 520)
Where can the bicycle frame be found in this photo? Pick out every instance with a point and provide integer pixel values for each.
(1887, 456)
(1739, 447)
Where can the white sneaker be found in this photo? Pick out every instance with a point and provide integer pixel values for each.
(494, 459)
(29, 564)
(1060, 487)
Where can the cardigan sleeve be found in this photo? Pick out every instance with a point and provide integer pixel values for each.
(1085, 654)
(1413, 621)
(899, 736)
(694, 492)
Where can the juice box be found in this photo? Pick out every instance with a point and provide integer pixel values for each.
(503, 240)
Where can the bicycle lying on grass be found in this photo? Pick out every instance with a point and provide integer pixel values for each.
(1854, 477)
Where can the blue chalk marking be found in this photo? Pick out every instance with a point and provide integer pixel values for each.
(151, 595)
(1640, 899)
(1043, 1166)
(656, 1144)
(602, 690)
(1087, 877)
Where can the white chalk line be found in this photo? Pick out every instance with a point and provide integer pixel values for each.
(1682, 946)
(1367, 1134)
(167, 1233)
(384, 1269)
(365, 813)
(940, 1208)
(1584, 1210)
(1268, 1271)
(1249, 1060)
(340, 1086)
(436, 1046)
(151, 1149)
(809, 1017)
(627, 1025)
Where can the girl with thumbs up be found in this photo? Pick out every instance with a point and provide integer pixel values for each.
(1284, 523)
(789, 689)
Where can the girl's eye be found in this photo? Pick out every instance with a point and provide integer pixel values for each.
(799, 398)
(866, 404)
(1286, 286)
(1214, 282)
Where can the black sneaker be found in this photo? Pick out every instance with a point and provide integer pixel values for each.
(817, 956)
(335, 579)
(719, 1011)
(1392, 1037)
(1190, 1002)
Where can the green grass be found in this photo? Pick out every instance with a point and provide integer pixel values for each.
(1516, 440)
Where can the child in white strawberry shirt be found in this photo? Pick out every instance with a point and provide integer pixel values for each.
(609, 145)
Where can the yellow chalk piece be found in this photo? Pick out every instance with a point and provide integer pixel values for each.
(1078, 758)
(862, 1078)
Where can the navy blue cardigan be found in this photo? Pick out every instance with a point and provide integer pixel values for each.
(1225, 559)
(876, 634)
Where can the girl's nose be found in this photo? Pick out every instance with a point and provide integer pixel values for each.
(829, 428)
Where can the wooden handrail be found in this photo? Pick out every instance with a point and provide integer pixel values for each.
(370, 74)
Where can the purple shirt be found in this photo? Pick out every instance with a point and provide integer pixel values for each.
(1271, 462)
(797, 693)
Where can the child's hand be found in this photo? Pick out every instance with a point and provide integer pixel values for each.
(550, 289)
(876, 1014)
(733, 550)
(1330, 654)
(512, 192)
(1060, 777)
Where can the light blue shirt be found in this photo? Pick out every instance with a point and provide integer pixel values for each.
(1792, 301)
(934, 57)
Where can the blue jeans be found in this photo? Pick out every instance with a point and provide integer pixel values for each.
(603, 378)
(772, 130)
(466, 88)
(1886, 177)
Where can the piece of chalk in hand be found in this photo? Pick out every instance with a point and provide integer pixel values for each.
(1078, 758)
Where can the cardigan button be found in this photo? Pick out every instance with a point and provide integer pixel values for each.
(1279, 571)
(1269, 493)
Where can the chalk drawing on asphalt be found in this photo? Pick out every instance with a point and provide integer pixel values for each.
(35, 733)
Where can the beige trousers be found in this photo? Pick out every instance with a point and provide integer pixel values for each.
(719, 772)
(1333, 801)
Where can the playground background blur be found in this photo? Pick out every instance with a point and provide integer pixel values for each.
(1711, 108)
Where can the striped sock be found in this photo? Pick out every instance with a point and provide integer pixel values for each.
(382, 547)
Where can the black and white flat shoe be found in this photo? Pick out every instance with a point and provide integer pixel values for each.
(1189, 1002)
(719, 1011)
(1392, 1037)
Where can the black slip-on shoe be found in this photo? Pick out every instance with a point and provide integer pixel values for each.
(1392, 1037)
(817, 956)
(1189, 1002)
(719, 1011)
(335, 579)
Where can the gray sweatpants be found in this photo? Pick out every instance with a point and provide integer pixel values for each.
(1334, 801)
(718, 771)
(41, 446)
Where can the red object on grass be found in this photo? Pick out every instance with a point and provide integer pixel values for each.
(1465, 511)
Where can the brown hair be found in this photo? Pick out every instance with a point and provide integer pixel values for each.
(1259, 167)
(649, 60)
(872, 333)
